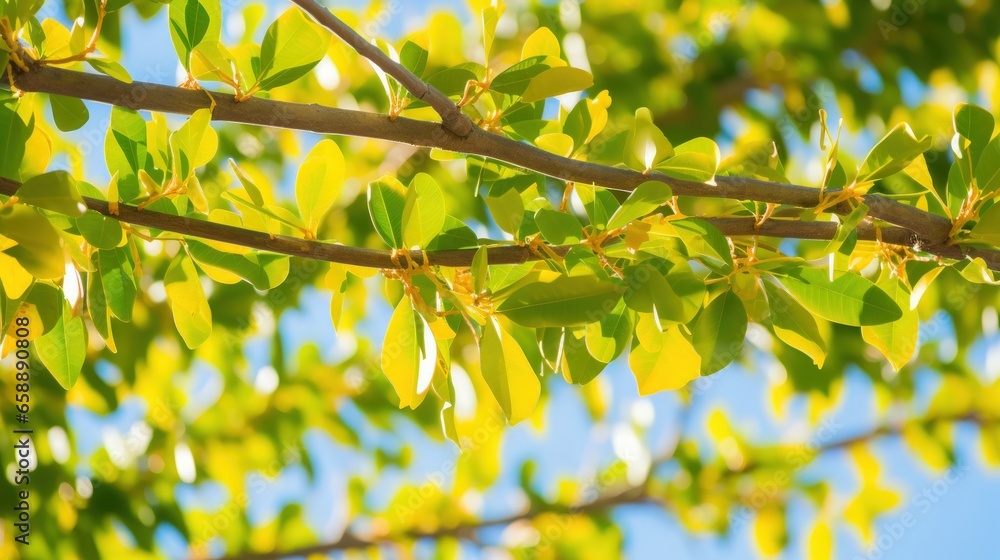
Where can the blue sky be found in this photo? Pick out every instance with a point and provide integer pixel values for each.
(960, 525)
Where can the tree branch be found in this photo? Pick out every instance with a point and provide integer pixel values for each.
(630, 496)
(512, 254)
(932, 230)
(452, 116)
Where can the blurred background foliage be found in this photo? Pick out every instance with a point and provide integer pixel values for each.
(279, 433)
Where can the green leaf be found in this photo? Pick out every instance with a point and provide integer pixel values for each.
(892, 154)
(578, 364)
(703, 240)
(38, 249)
(481, 269)
(319, 182)
(794, 325)
(47, 300)
(650, 292)
(413, 57)
(263, 270)
(578, 123)
(213, 62)
(646, 146)
(563, 302)
(556, 81)
(897, 341)
(516, 78)
(292, 46)
(609, 337)
(988, 227)
(718, 332)
(97, 304)
(848, 225)
(191, 23)
(646, 198)
(599, 204)
(848, 300)
(110, 68)
(15, 133)
(56, 191)
(99, 231)
(695, 160)
(113, 270)
(192, 315)
(125, 150)
(454, 235)
(114, 5)
(63, 349)
(507, 210)
(401, 353)
(252, 191)
(558, 228)
(335, 281)
(490, 19)
(975, 124)
(193, 145)
(988, 170)
(451, 81)
(69, 113)
(507, 372)
(386, 199)
(423, 212)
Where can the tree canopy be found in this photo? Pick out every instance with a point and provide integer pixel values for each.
(496, 208)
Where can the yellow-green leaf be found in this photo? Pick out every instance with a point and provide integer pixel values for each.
(38, 249)
(718, 332)
(191, 23)
(542, 42)
(386, 199)
(292, 46)
(192, 315)
(319, 181)
(63, 349)
(556, 81)
(646, 198)
(563, 302)
(667, 368)
(56, 191)
(556, 143)
(507, 210)
(193, 144)
(423, 212)
(848, 300)
(897, 340)
(794, 325)
(892, 154)
(401, 353)
(110, 68)
(508, 373)
(69, 113)
(694, 160)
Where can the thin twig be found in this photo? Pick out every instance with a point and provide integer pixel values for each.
(451, 115)
(932, 229)
(511, 254)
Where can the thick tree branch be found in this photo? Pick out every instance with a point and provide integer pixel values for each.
(932, 230)
(512, 254)
(451, 115)
(630, 496)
